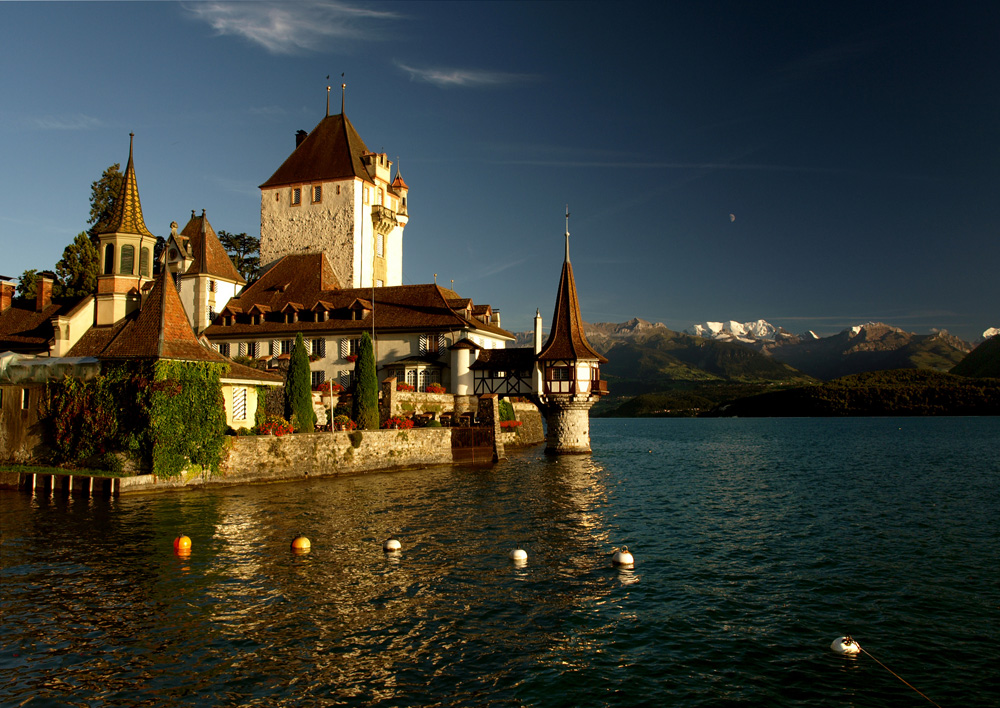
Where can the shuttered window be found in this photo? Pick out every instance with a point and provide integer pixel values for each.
(239, 403)
(128, 260)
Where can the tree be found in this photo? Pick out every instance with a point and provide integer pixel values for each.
(298, 389)
(245, 252)
(364, 407)
(26, 284)
(103, 196)
(79, 267)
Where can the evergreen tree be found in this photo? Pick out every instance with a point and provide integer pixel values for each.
(78, 268)
(103, 195)
(26, 284)
(364, 408)
(298, 389)
(244, 251)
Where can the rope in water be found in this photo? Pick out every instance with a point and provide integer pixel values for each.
(897, 675)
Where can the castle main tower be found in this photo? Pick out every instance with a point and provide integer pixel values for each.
(334, 195)
(571, 372)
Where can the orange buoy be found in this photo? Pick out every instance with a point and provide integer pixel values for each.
(182, 543)
(301, 544)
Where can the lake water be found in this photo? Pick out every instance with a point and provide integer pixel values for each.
(757, 543)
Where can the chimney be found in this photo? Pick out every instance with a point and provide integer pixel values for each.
(43, 291)
(300, 136)
(6, 295)
(538, 331)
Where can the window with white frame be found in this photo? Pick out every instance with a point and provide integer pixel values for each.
(253, 348)
(224, 349)
(380, 245)
(286, 346)
(319, 347)
(318, 377)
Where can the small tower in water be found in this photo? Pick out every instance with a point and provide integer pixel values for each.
(570, 371)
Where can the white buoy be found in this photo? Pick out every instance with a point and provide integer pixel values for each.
(392, 545)
(845, 645)
(518, 555)
(623, 558)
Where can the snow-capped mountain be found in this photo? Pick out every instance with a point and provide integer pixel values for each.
(991, 332)
(760, 333)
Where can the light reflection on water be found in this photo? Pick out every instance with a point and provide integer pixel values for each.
(757, 543)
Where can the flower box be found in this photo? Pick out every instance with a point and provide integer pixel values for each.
(435, 388)
(510, 424)
(403, 386)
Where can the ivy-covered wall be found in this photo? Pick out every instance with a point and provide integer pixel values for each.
(188, 417)
(160, 416)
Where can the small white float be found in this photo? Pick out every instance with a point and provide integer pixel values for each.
(518, 555)
(392, 545)
(845, 645)
(623, 558)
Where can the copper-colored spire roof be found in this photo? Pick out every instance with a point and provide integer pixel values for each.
(398, 183)
(331, 151)
(210, 258)
(126, 218)
(566, 338)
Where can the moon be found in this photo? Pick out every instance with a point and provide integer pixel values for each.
(732, 218)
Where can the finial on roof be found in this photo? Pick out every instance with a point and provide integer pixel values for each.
(328, 96)
(567, 233)
(343, 96)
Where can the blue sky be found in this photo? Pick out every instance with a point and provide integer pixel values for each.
(817, 165)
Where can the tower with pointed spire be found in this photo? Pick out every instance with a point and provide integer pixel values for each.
(125, 250)
(334, 195)
(570, 371)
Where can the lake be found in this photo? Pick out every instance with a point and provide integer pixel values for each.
(757, 543)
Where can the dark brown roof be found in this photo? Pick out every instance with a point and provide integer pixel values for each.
(210, 258)
(520, 359)
(331, 151)
(26, 330)
(127, 215)
(305, 280)
(566, 339)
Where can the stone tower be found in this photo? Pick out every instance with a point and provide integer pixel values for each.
(334, 195)
(570, 372)
(125, 250)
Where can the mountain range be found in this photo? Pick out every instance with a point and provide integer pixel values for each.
(717, 361)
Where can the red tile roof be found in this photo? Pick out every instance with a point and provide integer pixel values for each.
(210, 258)
(331, 151)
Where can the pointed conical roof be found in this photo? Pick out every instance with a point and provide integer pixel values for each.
(566, 338)
(331, 151)
(160, 330)
(210, 257)
(126, 217)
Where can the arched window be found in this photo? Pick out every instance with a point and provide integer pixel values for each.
(128, 260)
(144, 261)
(109, 259)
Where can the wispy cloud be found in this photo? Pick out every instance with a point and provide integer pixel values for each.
(293, 27)
(499, 268)
(78, 121)
(464, 78)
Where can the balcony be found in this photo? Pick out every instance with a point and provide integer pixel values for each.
(384, 219)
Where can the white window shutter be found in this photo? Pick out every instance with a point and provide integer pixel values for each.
(345, 348)
(441, 342)
(345, 378)
(275, 347)
(423, 344)
(242, 348)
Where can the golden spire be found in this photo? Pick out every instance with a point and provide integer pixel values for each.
(126, 217)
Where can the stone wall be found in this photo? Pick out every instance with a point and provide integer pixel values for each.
(263, 458)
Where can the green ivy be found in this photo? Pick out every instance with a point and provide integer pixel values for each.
(188, 417)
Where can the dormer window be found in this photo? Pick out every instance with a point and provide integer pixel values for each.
(296, 196)
(317, 194)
